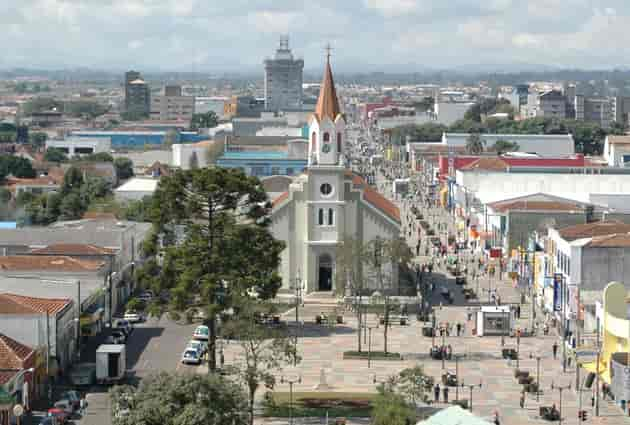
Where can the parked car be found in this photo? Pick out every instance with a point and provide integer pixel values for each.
(124, 326)
(59, 416)
(190, 355)
(117, 337)
(64, 405)
(73, 396)
(146, 296)
(48, 420)
(133, 316)
(202, 333)
(200, 346)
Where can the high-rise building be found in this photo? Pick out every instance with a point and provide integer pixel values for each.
(172, 106)
(137, 95)
(283, 79)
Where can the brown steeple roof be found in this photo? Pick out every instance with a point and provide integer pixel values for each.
(327, 104)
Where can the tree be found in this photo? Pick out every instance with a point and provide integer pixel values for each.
(97, 157)
(37, 138)
(350, 256)
(71, 207)
(17, 166)
(474, 144)
(263, 350)
(501, 146)
(124, 168)
(227, 253)
(173, 399)
(72, 179)
(55, 155)
(390, 408)
(412, 384)
(205, 120)
(137, 210)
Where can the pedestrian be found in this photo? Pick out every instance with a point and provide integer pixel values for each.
(449, 351)
(496, 418)
(518, 311)
(418, 249)
(554, 347)
(459, 328)
(445, 394)
(522, 399)
(436, 392)
(448, 329)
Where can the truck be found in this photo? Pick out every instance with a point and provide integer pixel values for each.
(110, 363)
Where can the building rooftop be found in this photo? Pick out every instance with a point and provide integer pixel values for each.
(73, 249)
(618, 140)
(593, 230)
(327, 103)
(52, 263)
(18, 304)
(138, 184)
(539, 202)
(618, 240)
(13, 354)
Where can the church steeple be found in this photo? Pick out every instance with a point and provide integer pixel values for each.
(327, 127)
(327, 103)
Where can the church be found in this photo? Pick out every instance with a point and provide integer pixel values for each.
(327, 203)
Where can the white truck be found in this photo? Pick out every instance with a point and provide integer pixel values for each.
(111, 363)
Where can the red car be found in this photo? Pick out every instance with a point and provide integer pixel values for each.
(60, 416)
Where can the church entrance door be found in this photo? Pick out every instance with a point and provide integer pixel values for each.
(325, 272)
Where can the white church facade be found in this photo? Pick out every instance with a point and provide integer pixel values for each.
(327, 203)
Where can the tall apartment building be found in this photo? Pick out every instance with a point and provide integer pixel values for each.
(137, 95)
(283, 79)
(172, 106)
(549, 104)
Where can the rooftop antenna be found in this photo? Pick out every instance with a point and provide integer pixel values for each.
(328, 49)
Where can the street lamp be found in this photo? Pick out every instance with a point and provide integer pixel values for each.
(291, 382)
(369, 329)
(470, 388)
(560, 389)
(457, 357)
(531, 356)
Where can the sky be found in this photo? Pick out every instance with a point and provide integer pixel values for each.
(366, 35)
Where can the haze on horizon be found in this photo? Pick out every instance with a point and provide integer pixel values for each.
(367, 35)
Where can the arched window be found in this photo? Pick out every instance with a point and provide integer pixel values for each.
(313, 141)
(339, 143)
(331, 217)
(326, 137)
(320, 218)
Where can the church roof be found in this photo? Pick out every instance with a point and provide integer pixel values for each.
(375, 199)
(327, 103)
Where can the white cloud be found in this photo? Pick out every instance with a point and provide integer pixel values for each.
(272, 22)
(391, 8)
(135, 44)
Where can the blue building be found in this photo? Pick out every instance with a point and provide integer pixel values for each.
(137, 139)
(263, 163)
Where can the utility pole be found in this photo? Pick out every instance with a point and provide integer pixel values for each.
(560, 389)
(457, 357)
(531, 356)
(597, 373)
(564, 324)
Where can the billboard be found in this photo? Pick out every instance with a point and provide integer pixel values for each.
(557, 292)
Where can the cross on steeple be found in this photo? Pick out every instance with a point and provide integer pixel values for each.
(328, 49)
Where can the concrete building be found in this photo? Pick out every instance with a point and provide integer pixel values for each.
(617, 151)
(518, 97)
(73, 146)
(136, 188)
(283, 79)
(137, 95)
(597, 110)
(243, 106)
(172, 106)
(191, 155)
(449, 112)
(328, 204)
(548, 104)
(541, 144)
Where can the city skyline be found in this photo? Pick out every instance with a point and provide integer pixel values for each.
(417, 35)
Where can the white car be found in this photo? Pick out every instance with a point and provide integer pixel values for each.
(190, 355)
(202, 333)
(200, 346)
(133, 316)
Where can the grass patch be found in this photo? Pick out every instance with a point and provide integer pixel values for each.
(317, 404)
(374, 355)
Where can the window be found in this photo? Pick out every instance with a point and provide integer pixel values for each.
(339, 143)
(326, 189)
(326, 137)
(331, 217)
(289, 171)
(275, 171)
(320, 218)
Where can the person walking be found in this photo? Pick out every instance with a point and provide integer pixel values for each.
(459, 328)
(522, 399)
(554, 347)
(436, 392)
(445, 394)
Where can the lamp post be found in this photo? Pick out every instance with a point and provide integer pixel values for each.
(457, 357)
(297, 287)
(531, 356)
(471, 387)
(369, 329)
(291, 382)
(560, 389)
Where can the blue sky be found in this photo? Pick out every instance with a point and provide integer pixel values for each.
(213, 35)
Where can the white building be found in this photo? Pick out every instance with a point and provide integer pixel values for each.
(542, 144)
(135, 189)
(191, 155)
(327, 204)
(617, 151)
(72, 146)
(449, 112)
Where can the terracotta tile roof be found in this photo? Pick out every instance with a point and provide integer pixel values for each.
(100, 215)
(279, 199)
(19, 304)
(51, 263)
(38, 181)
(374, 198)
(327, 103)
(621, 240)
(539, 206)
(13, 354)
(489, 164)
(7, 375)
(619, 140)
(593, 230)
(74, 249)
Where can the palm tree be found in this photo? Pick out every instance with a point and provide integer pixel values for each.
(474, 144)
